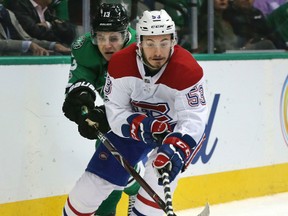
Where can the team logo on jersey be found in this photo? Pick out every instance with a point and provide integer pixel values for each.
(284, 110)
(103, 156)
(157, 110)
(78, 43)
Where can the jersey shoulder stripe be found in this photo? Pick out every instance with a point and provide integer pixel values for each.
(182, 71)
(123, 63)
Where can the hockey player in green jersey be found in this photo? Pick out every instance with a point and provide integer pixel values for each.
(89, 59)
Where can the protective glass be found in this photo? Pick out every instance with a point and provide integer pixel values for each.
(102, 38)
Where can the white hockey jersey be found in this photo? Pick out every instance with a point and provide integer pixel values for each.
(174, 95)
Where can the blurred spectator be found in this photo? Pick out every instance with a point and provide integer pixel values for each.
(39, 21)
(75, 9)
(267, 6)
(250, 25)
(15, 41)
(278, 20)
(224, 37)
(61, 9)
(179, 12)
(150, 4)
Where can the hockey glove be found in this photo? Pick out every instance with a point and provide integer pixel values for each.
(96, 115)
(173, 154)
(145, 129)
(78, 94)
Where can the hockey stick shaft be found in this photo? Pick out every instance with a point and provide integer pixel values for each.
(167, 193)
(165, 180)
(130, 170)
(106, 142)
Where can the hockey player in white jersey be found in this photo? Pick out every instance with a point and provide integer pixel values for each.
(153, 88)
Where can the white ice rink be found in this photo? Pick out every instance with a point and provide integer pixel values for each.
(275, 205)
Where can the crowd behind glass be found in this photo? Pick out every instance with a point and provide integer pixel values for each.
(237, 25)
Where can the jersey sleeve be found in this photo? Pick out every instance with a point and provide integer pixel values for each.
(82, 68)
(176, 97)
(189, 87)
(117, 103)
(120, 82)
(191, 108)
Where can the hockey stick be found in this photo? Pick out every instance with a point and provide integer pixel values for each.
(168, 196)
(166, 184)
(125, 163)
(106, 142)
(165, 180)
(205, 211)
(167, 192)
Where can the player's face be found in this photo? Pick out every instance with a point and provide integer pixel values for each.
(156, 50)
(109, 43)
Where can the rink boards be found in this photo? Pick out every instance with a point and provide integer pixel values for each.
(245, 154)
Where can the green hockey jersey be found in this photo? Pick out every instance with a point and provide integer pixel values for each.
(87, 62)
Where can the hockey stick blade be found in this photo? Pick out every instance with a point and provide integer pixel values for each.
(205, 211)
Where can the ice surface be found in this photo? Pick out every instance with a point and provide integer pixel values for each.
(274, 205)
